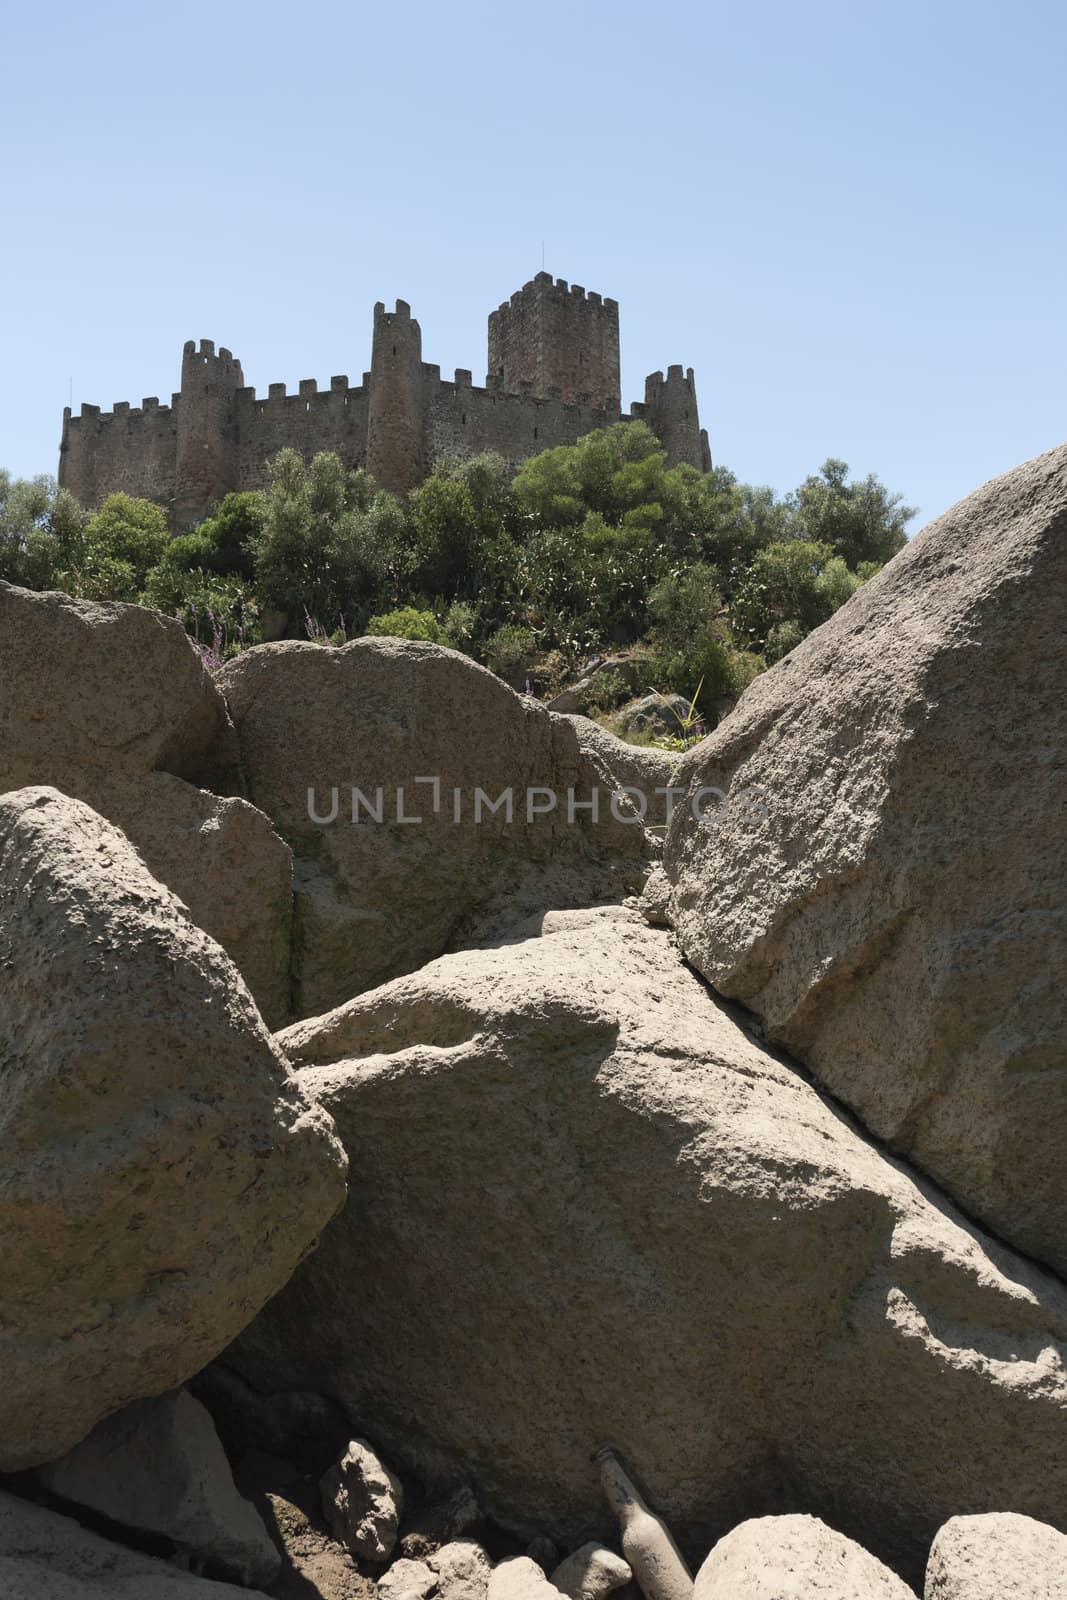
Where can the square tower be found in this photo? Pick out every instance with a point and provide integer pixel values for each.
(556, 337)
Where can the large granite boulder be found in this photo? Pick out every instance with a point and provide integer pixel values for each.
(379, 763)
(886, 883)
(794, 1558)
(158, 1467)
(161, 1172)
(95, 690)
(45, 1556)
(112, 704)
(222, 858)
(587, 1205)
(997, 1557)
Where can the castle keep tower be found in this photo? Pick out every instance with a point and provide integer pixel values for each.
(554, 337)
(553, 377)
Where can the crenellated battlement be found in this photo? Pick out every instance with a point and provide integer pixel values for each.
(205, 362)
(120, 409)
(307, 389)
(553, 375)
(545, 285)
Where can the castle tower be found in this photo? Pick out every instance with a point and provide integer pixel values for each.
(395, 413)
(671, 412)
(77, 460)
(206, 465)
(555, 337)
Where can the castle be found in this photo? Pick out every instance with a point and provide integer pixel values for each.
(553, 376)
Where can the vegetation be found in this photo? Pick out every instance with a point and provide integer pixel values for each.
(588, 547)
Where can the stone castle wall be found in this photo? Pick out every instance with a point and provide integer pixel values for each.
(554, 376)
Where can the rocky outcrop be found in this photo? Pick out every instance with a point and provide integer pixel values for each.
(659, 714)
(407, 1580)
(44, 1556)
(997, 1556)
(647, 771)
(587, 1204)
(380, 763)
(591, 1573)
(794, 1558)
(161, 1173)
(519, 1578)
(886, 885)
(602, 683)
(112, 705)
(222, 858)
(462, 1569)
(157, 1467)
(98, 692)
(363, 1502)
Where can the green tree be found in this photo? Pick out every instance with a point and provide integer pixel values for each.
(317, 555)
(693, 651)
(617, 472)
(860, 520)
(41, 531)
(227, 538)
(127, 533)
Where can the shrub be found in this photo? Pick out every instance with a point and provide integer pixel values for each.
(508, 653)
(460, 625)
(407, 623)
(783, 638)
(220, 614)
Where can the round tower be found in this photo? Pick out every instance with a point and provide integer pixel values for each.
(206, 466)
(395, 410)
(671, 413)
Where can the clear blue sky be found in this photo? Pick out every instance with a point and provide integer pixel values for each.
(851, 219)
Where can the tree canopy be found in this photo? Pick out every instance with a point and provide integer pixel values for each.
(591, 546)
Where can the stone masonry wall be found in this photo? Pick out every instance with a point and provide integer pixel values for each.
(132, 449)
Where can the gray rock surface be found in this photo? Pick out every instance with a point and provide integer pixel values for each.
(520, 1578)
(225, 862)
(161, 1173)
(380, 898)
(44, 1556)
(112, 705)
(99, 690)
(641, 767)
(587, 1204)
(462, 1569)
(892, 900)
(157, 1466)
(407, 1580)
(363, 1502)
(655, 713)
(456, 1515)
(296, 1425)
(794, 1558)
(591, 1572)
(997, 1557)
